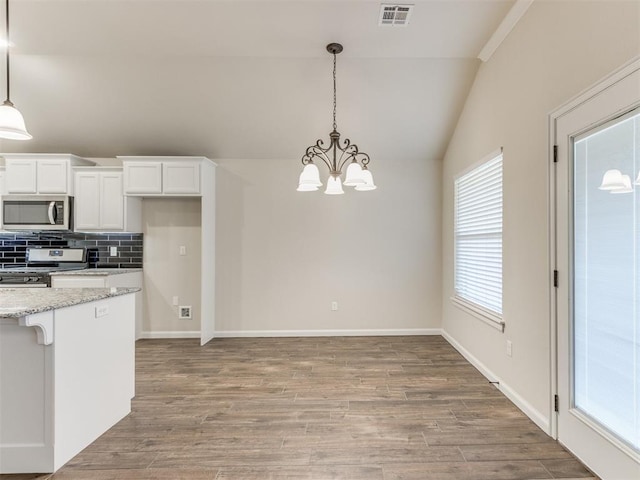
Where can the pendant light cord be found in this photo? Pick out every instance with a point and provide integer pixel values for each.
(7, 28)
(335, 125)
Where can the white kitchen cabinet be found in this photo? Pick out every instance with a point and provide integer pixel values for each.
(159, 176)
(21, 176)
(112, 212)
(181, 177)
(142, 177)
(45, 174)
(100, 203)
(87, 201)
(52, 177)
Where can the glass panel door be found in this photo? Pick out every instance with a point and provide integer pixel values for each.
(597, 258)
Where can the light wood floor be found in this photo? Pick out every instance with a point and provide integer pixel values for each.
(317, 408)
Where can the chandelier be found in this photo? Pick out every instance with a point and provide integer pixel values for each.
(335, 156)
(11, 121)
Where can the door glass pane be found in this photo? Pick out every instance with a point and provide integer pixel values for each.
(606, 312)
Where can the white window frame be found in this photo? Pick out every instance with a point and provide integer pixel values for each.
(467, 303)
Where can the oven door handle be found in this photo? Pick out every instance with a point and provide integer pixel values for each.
(52, 215)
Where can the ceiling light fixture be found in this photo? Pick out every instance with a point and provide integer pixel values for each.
(335, 156)
(11, 121)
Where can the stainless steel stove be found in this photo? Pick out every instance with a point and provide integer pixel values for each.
(41, 262)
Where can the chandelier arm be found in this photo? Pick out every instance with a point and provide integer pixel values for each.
(316, 151)
(350, 150)
(325, 159)
(346, 160)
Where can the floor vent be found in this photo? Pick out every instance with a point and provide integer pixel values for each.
(395, 15)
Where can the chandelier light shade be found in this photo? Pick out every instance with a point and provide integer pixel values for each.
(11, 121)
(614, 181)
(626, 185)
(334, 185)
(309, 179)
(335, 156)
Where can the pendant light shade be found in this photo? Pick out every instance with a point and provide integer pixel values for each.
(354, 175)
(637, 182)
(306, 188)
(626, 185)
(12, 125)
(310, 176)
(368, 182)
(335, 155)
(612, 180)
(334, 186)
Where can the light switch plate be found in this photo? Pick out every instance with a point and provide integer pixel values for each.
(102, 311)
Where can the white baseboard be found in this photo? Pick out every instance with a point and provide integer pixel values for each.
(170, 334)
(535, 415)
(327, 333)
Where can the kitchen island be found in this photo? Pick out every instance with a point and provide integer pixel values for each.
(67, 372)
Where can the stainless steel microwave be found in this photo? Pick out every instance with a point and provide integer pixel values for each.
(37, 212)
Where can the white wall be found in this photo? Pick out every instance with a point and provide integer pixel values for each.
(558, 49)
(167, 224)
(284, 256)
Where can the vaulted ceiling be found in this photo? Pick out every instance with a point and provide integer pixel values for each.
(241, 79)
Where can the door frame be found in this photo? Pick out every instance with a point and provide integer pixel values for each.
(580, 99)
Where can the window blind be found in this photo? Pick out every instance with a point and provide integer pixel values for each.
(478, 236)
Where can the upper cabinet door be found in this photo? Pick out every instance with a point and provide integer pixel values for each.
(111, 201)
(181, 177)
(142, 177)
(87, 204)
(52, 176)
(21, 176)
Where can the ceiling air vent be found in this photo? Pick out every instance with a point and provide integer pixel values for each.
(395, 15)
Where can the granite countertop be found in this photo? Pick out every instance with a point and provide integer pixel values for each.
(19, 302)
(96, 271)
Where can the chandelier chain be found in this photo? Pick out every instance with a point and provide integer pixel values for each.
(335, 125)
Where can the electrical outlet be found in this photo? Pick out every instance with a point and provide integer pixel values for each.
(176, 302)
(509, 348)
(184, 312)
(183, 250)
(113, 251)
(334, 306)
(102, 311)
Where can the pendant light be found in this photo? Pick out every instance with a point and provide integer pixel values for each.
(11, 121)
(335, 156)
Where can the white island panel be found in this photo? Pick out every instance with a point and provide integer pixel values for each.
(57, 397)
(25, 390)
(94, 372)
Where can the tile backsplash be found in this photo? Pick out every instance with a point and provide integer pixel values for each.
(13, 247)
